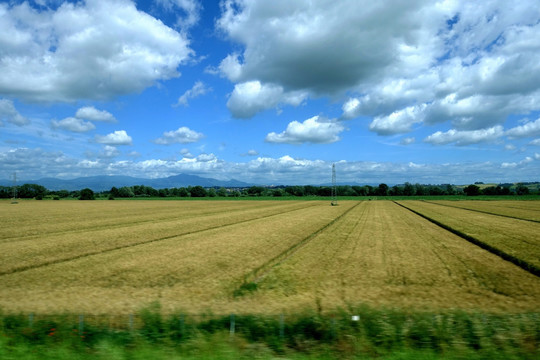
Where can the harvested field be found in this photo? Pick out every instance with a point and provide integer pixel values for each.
(246, 257)
(525, 210)
(518, 238)
(383, 255)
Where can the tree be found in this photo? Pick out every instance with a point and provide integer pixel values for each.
(183, 192)
(255, 191)
(277, 192)
(29, 191)
(198, 191)
(163, 192)
(324, 191)
(522, 189)
(222, 192)
(87, 194)
(396, 191)
(125, 191)
(382, 190)
(114, 192)
(472, 190)
(408, 189)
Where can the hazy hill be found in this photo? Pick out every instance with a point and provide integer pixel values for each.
(104, 182)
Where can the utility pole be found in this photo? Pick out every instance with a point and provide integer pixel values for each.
(334, 186)
(14, 199)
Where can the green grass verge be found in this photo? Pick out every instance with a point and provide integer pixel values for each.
(379, 333)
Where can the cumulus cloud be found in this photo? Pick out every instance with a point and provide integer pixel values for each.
(92, 114)
(351, 108)
(465, 137)
(73, 124)
(198, 89)
(529, 129)
(10, 114)
(119, 137)
(250, 97)
(90, 50)
(182, 135)
(317, 130)
(322, 46)
(187, 11)
(230, 67)
(109, 152)
(470, 64)
(397, 122)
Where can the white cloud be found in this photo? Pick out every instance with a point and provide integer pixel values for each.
(189, 8)
(252, 153)
(530, 129)
(38, 163)
(407, 141)
(119, 137)
(109, 152)
(465, 137)
(182, 135)
(535, 142)
(206, 157)
(90, 50)
(315, 130)
(398, 122)
(10, 114)
(251, 97)
(351, 108)
(198, 89)
(230, 67)
(73, 124)
(473, 72)
(93, 114)
(509, 147)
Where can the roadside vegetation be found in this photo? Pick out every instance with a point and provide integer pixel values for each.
(368, 333)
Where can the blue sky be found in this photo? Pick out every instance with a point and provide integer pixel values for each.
(271, 92)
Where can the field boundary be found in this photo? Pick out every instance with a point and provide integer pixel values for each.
(259, 272)
(531, 268)
(480, 211)
(104, 251)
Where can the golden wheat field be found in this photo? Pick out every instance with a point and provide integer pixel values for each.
(114, 257)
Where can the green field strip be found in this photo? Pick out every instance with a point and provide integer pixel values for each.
(525, 265)
(480, 211)
(258, 273)
(126, 246)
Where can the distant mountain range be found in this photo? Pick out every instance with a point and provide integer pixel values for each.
(102, 183)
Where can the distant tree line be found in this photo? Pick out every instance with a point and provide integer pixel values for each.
(29, 191)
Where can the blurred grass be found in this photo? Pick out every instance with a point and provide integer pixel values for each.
(379, 333)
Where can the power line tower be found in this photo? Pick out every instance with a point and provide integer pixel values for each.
(334, 186)
(14, 199)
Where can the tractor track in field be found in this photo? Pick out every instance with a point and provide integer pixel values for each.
(125, 224)
(525, 265)
(126, 246)
(481, 211)
(261, 271)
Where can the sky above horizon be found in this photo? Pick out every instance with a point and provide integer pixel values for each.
(271, 92)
